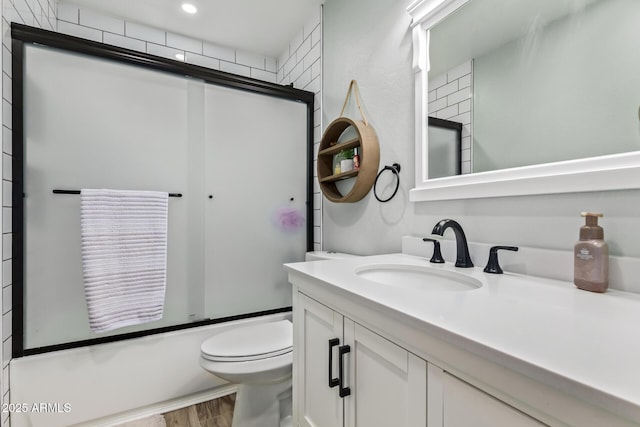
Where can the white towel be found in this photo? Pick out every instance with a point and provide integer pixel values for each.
(124, 256)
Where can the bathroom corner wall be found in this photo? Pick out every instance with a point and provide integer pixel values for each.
(41, 14)
(450, 99)
(301, 65)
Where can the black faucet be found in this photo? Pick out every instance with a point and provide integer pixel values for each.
(462, 249)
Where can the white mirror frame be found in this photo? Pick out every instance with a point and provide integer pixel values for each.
(611, 172)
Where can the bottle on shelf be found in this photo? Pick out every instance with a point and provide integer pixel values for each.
(356, 158)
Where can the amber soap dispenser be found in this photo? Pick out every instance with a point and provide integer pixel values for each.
(591, 256)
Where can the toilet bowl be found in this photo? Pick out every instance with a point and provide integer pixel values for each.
(258, 358)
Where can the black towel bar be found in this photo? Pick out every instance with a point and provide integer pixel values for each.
(78, 192)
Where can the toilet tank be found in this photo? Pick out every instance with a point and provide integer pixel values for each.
(320, 255)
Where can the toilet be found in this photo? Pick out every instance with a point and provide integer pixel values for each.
(258, 357)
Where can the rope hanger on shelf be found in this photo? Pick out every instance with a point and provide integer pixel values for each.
(353, 87)
(362, 136)
(395, 168)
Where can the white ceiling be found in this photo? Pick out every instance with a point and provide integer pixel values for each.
(259, 26)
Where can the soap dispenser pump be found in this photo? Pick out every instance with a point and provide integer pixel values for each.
(591, 256)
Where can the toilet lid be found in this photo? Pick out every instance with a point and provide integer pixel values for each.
(250, 342)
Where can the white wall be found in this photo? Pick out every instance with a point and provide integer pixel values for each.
(370, 42)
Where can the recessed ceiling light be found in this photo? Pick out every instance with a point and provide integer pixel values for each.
(189, 8)
(180, 56)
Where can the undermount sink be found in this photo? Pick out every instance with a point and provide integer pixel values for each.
(417, 278)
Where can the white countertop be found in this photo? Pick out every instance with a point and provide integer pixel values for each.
(581, 342)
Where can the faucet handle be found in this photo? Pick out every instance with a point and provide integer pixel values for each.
(436, 258)
(492, 265)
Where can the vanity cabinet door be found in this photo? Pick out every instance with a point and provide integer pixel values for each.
(455, 403)
(388, 384)
(382, 384)
(318, 331)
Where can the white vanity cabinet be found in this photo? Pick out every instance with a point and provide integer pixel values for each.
(446, 359)
(379, 383)
(455, 403)
(346, 375)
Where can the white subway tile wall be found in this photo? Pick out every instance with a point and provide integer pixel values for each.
(301, 65)
(88, 18)
(41, 14)
(202, 61)
(185, 43)
(221, 52)
(123, 41)
(94, 26)
(234, 68)
(450, 98)
(132, 29)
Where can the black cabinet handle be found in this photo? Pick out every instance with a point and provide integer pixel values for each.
(332, 381)
(344, 391)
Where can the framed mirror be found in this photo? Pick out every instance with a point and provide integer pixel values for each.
(547, 92)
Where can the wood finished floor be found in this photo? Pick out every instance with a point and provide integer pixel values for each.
(214, 413)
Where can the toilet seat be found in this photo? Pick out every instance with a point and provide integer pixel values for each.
(252, 342)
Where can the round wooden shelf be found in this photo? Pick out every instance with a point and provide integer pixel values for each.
(367, 142)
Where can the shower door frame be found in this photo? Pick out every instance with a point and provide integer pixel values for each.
(23, 35)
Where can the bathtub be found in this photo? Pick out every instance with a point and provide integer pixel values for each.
(112, 383)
